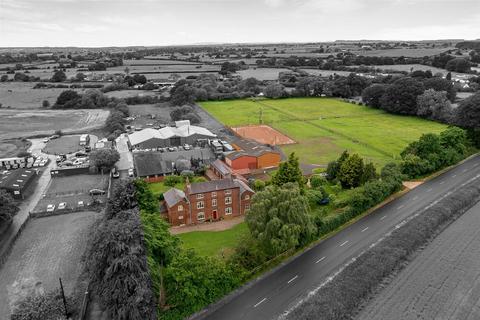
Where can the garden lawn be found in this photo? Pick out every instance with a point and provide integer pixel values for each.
(324, 127)
(159, 187)
(213, 243)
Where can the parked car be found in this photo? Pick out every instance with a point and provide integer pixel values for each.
(77, 162)
(46, 140)
(55, 136)
(50, 208)
(81, 154)
(130, 172)
(115, 173)
(186, 147)
(62, 205)
(96, 192)
(88, 148)
(80, 204)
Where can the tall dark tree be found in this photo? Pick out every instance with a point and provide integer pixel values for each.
(8, 208)
(401, 96)
(289, 172)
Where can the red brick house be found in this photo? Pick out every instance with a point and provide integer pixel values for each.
(207, 201)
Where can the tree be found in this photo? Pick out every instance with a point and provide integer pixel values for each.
(434, 105)
(458, 65)
(455, 138)
(351, 172)
(115, 121)
(8, 208)
(371, 95)
(67, 97)
(274, 90)
(4, 78)
(118, 268)
(440, 84)
(401, 96)
(467, 114)
(369, 173)
(279, 219)
(289, 171)
(59, 76)
(45, 104)
(193, 281)
(104, 159)
(334, 166)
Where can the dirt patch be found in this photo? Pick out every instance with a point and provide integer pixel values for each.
(412, 184)
(263, 134)
(47, 249)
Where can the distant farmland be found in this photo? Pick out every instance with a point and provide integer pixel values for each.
(324, 127)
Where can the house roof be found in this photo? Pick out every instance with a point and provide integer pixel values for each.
(150, 164)
(250, 147)
(243, 186)
(209, 186)
(173, 196)
(182, 129)
(238, 154)
(221, 167)
(16, 179)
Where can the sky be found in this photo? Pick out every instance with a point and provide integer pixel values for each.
(100, 23)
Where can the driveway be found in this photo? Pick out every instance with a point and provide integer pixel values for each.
(126, 158)
(30, 202)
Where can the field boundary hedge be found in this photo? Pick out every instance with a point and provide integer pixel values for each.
(340, 296)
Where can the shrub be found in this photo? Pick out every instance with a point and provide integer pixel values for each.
(316, 181)
(47, 306)
(171, 181)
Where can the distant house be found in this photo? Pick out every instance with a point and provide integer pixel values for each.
(182, 133)
(207, 201)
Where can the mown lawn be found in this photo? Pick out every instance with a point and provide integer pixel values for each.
(324, 127)
(213, 243)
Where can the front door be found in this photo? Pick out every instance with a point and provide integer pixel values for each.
(214, 215)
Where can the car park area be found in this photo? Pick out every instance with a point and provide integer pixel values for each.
(72, 193)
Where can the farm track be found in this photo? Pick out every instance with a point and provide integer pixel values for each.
(442, 282)
(328, 130)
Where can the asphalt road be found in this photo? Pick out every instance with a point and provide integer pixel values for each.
(279, 291)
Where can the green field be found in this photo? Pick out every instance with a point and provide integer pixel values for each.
(324, 127)
(212, 243)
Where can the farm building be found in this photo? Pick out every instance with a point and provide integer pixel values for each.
(17, 181)
(157, 164)
(207, 201)
(182, 133)
(250, 155)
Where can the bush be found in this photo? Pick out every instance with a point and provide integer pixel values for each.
(171, 181)
(47, 306)
(316, 181)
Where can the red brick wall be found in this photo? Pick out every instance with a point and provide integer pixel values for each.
(176, 217)
(243, 162)
(208, 208)
(246, 200)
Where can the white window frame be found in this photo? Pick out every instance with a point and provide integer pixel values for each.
(228, 200)
(214, 194)
(228, 211)
(247, 206)
(247, 197)
(201, 216)
(228, 191)
(180, 207)
(214, 202)
(199, 195)
(200, 205)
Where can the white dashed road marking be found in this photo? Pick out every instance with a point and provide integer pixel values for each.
(429, 189)
(320, 260)
(260, 302)
(400, 207)
(293, 279)
(383, 217)
(442, 182)
(454, 176)
(365, 229)
(415, 198)
(344, 243)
